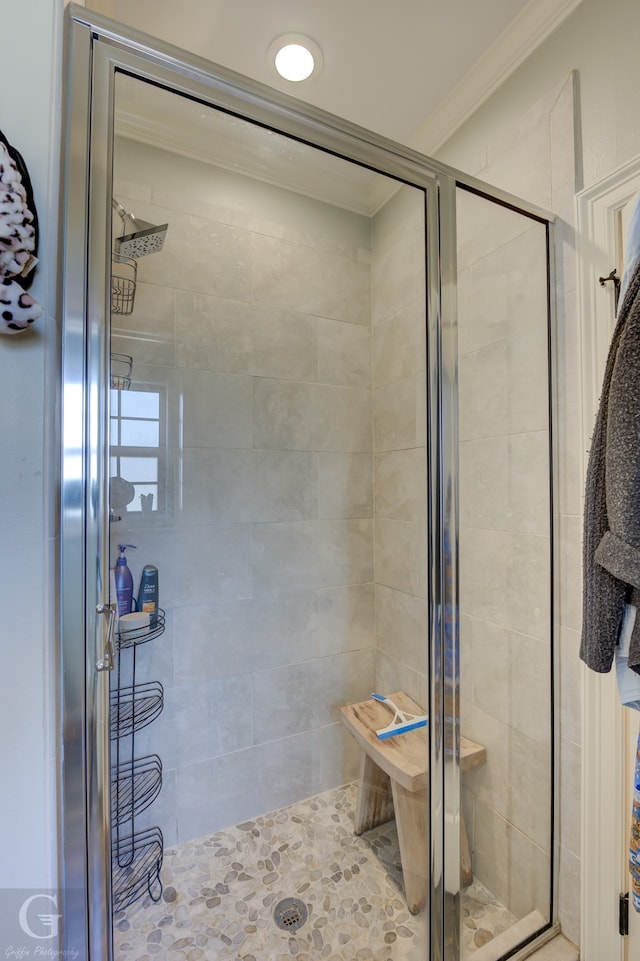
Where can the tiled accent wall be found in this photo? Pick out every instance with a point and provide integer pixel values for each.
(505, 565)
(399, 435)
(536, 159)
(260, 335)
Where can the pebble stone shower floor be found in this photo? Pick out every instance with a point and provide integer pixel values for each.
(220, 893)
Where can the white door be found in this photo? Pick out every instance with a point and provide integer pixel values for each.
(632, 718)
(610, 731)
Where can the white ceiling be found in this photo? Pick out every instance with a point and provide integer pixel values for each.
(389, 65)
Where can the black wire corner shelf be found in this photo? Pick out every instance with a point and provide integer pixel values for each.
(134, 787)
(134, 707)
(136, 782)
(136, 866)
(141, 635)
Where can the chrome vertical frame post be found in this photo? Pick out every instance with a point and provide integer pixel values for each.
(444, 708)
(72, 785)
(86, 863)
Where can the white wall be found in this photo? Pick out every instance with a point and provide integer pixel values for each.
(30, 120)
(600, 41)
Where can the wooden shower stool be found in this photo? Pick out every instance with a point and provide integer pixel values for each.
(393, 780)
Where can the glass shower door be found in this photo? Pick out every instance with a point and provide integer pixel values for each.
(505, 583)
(268, 457)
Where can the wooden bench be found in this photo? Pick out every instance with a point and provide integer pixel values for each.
(393, 780)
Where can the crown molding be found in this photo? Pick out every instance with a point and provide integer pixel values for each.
(531, 27)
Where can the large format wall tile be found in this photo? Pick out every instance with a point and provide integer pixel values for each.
(318, 282)
(308, 695)
(286, 770)
(401, 556)
(505, 578)
(504, 483)
(398, 414)
(198, 254)
(222, 791)
(311, 554)
(500, 852)
(399, 344)
(509, 674)
(217, 410)
(202, 719)
(208, 561)
(402, 627)
(149, 334)
(345, 485)
(505, 286)
(346, 617)
(221, 639)
(392, 675)
(398, 274)
(224, 638)
(344, 353)
(401, 485)
(248, 486)
(297, 416)
(502, 390)
(215, 333)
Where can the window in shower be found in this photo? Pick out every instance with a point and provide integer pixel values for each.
(138, 445)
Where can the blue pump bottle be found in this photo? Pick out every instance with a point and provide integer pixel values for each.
(124, 582)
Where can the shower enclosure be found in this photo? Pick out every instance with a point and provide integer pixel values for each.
(317, 399)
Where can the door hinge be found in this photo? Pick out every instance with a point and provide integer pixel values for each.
(623, 915)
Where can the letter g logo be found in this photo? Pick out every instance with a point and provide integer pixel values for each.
(46, 920)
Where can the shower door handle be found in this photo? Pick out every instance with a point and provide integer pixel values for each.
(106, 663)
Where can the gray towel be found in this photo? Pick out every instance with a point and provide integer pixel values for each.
(611, 540)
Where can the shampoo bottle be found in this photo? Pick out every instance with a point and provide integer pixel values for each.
(148, 593)
(124, 582)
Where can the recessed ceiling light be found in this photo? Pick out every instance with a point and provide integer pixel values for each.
(295, 57)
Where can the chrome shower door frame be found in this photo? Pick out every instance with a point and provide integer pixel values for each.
(96, 49)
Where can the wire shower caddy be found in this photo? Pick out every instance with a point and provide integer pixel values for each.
(136, 781)
(124, 272)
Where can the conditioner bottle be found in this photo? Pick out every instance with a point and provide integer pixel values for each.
(148, 593)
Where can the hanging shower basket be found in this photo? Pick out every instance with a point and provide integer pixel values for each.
(123, 284)
(121, 365)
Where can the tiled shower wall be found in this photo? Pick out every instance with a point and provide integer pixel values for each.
(536, 159)
(505, 571)
(292, 547)
(260, 335)
(399, 382)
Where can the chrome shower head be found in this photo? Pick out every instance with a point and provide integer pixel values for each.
(143, 239)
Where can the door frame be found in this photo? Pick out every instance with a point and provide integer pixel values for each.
(603, 876)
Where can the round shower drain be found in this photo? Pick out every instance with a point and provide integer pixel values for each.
(290, 914)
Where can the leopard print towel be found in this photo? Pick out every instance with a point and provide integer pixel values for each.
(18, 241)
